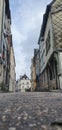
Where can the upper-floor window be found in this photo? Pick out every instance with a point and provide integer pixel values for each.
(3, 53)
(23, 87)
(4, 26)
(48, 42)
(43, 58)
(27, 87)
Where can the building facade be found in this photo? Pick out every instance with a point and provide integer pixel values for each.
(5, 44)
(35, 71)
(50, 47)
(23, 84)
(36, 55)
(12, 81)
(33, 75)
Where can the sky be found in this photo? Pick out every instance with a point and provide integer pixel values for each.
(26, 17)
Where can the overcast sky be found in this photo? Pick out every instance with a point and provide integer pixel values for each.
(26, 18)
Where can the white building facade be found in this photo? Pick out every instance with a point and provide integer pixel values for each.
(24, 84)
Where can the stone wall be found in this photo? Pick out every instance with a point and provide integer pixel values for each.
(52, 84)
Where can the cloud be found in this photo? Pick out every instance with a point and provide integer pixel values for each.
(21, 64)
(26, 24)
(18, 36)
(24, 35)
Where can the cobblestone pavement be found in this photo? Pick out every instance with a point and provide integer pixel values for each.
(31, 111)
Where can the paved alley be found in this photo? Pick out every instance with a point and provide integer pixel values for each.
(31, 111)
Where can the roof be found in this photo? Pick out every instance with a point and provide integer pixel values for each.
(45, 18)
(8, 9)
(24, 77)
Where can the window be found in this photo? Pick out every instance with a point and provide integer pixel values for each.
(3, 54)
(7, 28)
(23, 87)
(48, 43)
(27, 87)
(43, 58)
(4, 26)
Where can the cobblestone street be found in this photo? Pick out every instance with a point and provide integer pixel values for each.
(31, 111)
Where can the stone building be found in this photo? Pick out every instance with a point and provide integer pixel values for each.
(23, 84)
(5, 44)
(12, 81)
(35, 71)
(50, 47)
(33, 75)
(36, 55)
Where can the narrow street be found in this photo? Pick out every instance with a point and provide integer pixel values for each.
(31, 111)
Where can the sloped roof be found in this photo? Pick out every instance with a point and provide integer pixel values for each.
(24, 77)
(45, 18)
(8, 9)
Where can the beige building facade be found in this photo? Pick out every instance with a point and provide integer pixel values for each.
(33, 75)
(12, 81)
